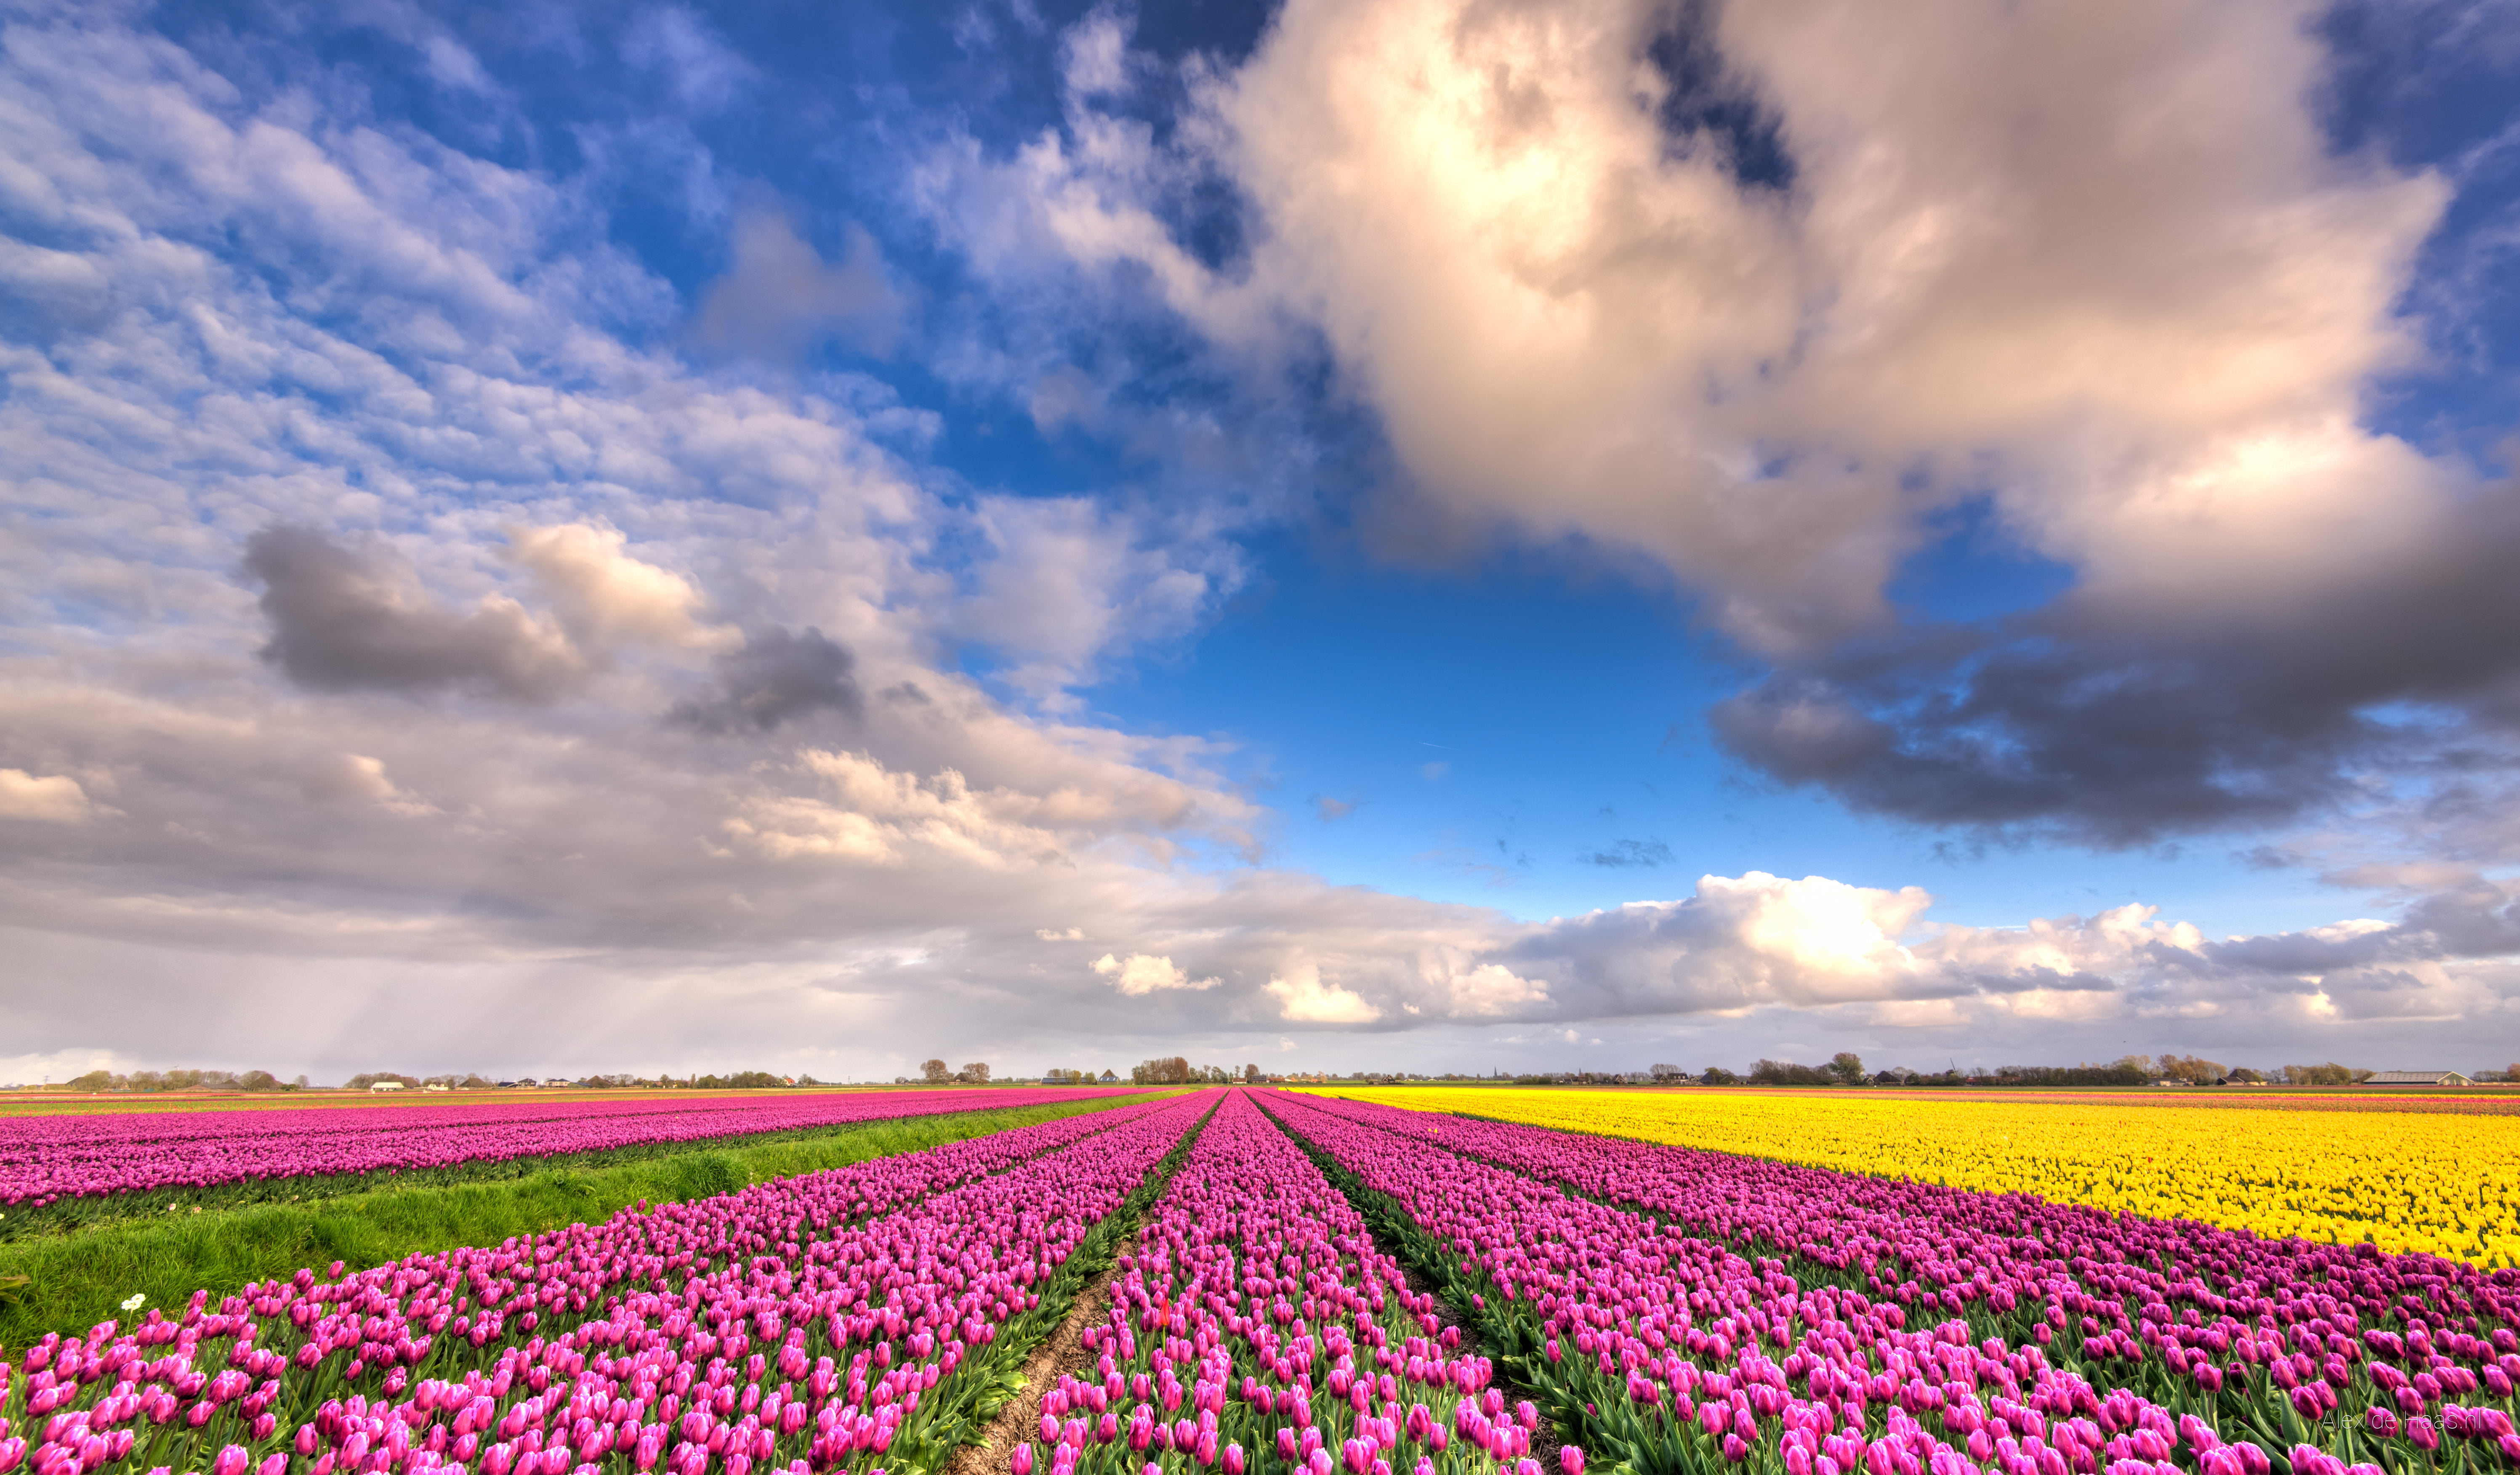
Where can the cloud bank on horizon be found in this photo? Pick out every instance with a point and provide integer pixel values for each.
(444, 620)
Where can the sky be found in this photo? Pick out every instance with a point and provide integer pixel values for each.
(1346, 534)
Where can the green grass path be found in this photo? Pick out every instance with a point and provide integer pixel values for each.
(68, 1283)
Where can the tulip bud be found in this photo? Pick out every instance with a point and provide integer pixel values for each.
(1023, 1459)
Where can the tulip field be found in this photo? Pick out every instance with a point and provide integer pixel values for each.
(1690, 1310)
(46, 1158)
(2440, 1185)
(834, 1320)
(1256, 1298)
(1302, 1284)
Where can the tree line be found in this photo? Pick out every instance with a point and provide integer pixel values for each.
(1846, 1068)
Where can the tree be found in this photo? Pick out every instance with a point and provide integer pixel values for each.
(977, 1072)
(1251, 1073)
(1665, 1072)
(1717, 1075)
(1170, 1070)
(1847, 1067)
(2329, 1074)
(934, 1071)
(2194, 1070)
(259, 1080)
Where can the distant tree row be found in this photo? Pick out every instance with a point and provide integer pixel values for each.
(186, 1080)
(1172, 1070)
(1846, 1068)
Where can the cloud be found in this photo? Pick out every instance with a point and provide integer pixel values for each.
(777, 676)
(1059, 934)
(1630, 854)
(779, 299)
(1066, 583)
(56, 799)
(1141, 974)
(1761, 291)
(1432, 772)
(1303, 997)
(1328, 809)
(338, 623)
(2082, 727)
(672, 43)
(607, 598)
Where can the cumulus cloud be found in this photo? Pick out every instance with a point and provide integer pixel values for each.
(1141, 974)
(1304, 999)
(340, 622)
(607, 598)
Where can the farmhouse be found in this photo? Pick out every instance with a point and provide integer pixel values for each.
(2419, 1078)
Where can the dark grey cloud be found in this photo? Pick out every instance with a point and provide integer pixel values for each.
(777, 676)
(2114, 727)
(340, 622)
(1626, 854)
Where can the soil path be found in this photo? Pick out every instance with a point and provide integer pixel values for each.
(1021, 1419)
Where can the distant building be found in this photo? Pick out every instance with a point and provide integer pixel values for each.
(386, 1086)
(2419, 1078)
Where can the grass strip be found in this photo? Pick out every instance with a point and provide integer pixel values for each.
(78, 1215)
(67, 1282)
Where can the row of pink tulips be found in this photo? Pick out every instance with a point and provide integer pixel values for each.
(1660, 1337)
(46, 1158)
(815, 1323)
(1257, 1327)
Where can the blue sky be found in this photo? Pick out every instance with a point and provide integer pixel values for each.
(1412, 537)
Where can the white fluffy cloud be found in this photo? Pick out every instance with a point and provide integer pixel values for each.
(1302, 998)
(1141, 974)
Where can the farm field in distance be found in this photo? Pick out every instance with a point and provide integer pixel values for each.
(2408, 1179)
